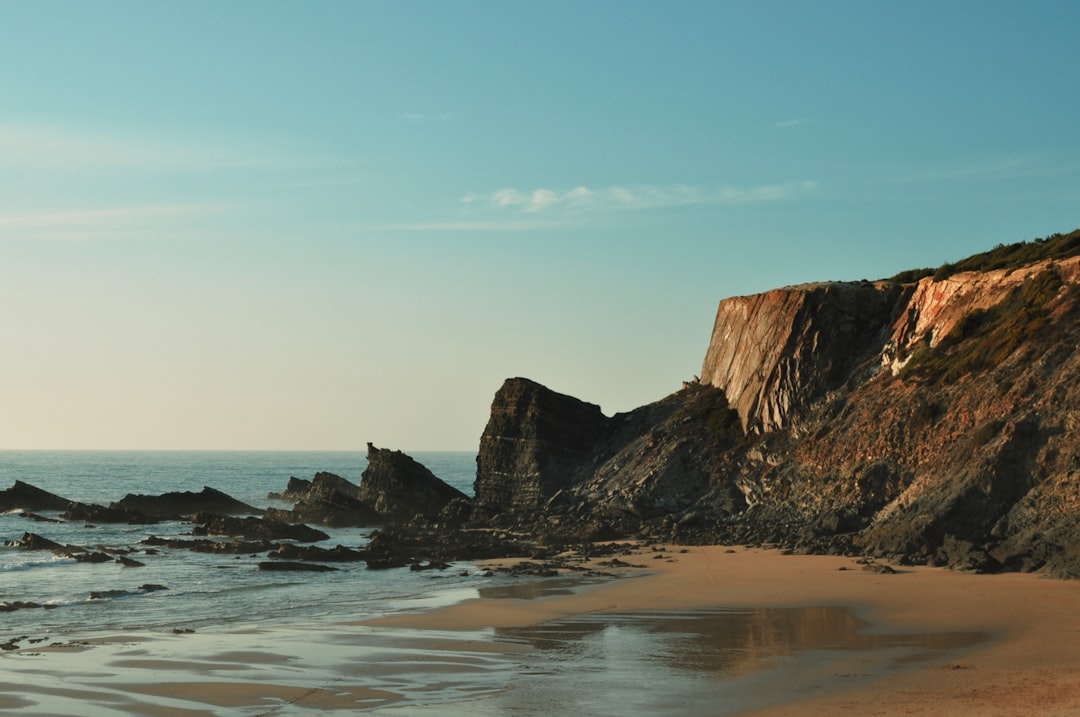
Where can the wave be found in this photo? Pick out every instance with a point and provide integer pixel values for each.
(31, 563)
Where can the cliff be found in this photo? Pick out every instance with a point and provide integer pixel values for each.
(931, 419)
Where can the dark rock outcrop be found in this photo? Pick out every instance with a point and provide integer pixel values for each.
(930, 422)
(327, 500)
(399, 488)
(281, 566)
(182, 504)
(534, 445)
(339, 554)
(27, 497)
(254, 528)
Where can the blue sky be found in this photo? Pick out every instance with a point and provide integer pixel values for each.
(282, 225)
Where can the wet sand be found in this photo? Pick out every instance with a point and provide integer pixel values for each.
(1028, 664)
(705, 632)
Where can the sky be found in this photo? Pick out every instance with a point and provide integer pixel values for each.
(290, 226)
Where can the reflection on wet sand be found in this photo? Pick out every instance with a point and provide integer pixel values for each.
(707, 662)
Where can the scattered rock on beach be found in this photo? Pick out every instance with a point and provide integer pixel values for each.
(256, 528)
(296, 567)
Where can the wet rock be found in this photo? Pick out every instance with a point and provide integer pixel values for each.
(329, 499)
(38, 518)
(224, 547)
(398, 487)
(295, 567)
(177, 505)
(88, 512)
(108, 594)
(18, 605)
(310, 552)
(27, 497)
(256, 528)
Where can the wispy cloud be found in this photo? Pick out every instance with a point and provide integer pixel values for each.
(635, 197)
(451, 226)
(48, 147)
(114, 222)
(784, 124)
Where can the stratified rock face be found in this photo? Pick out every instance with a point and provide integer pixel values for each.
(533, 446)
(937, 307)
(396, 486)
(773, 354)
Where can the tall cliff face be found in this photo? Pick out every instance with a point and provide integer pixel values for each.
(931, 422)
(775, 353)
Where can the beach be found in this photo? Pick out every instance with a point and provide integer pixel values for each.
(688, 631)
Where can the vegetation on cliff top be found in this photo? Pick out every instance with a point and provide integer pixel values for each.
(1003, 256)
(1034, 315)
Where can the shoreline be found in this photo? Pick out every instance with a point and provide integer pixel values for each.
(467, 657)
(1029, 664)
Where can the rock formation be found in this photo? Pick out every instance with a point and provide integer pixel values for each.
(535, 442)
(930, 418)
(329, 499)
(398, 487)
(180, 504)
(776, 353)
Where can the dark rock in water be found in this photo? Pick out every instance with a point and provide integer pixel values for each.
(186, 503)
(92, 556)
(399, 546)
(287, 551)
(33, 541)
(18, 605)
(88, 512)
(28, 497)
(256, 528)
(324, 482)
(129, 562)
(152, 588)
(38, 518)
(297, 567)
(328, 500)
(108, 594)
(224, 547)
(294, 491)
(398, 487)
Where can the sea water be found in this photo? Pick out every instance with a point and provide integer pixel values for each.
(202, 590)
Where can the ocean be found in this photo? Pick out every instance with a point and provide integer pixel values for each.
(202, 590)
(226, 639)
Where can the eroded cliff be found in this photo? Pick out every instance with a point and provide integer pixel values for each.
(931, 420)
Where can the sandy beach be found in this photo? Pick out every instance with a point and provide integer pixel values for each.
(696, 631)
(1029, 664)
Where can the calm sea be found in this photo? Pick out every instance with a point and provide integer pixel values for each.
(202, 590)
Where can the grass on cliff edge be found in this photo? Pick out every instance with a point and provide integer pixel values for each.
(1034, 316)
(1003, 256)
